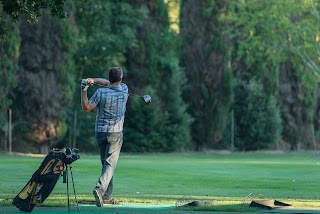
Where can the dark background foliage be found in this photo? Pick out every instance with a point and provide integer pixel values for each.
(235, 75)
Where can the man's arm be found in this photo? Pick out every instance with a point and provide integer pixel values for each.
(98, 81)
(86, 106)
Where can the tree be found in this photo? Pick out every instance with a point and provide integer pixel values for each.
(134, 36)
(153, 66)
(102, 43)
(46, 78)
(9, 53)
(263, 33)
(206, 61)
(303, 42)
(257, 117)
(30, 8)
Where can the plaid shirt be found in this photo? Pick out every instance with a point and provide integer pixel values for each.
(111, 107)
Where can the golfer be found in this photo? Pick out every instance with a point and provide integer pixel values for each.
(111, 108)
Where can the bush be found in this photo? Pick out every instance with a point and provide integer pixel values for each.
(257, 117)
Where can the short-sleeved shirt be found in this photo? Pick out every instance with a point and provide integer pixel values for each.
(111, 107)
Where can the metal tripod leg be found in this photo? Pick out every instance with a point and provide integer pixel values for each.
(66, 180)
(74, 190)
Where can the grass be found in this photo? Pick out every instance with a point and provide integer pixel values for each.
(232, 181)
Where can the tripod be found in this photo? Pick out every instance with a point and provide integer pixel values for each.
(66, 180)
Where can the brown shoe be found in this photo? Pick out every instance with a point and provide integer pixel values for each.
(111, 201)
(98, 198)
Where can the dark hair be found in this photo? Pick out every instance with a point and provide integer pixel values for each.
(115, 74)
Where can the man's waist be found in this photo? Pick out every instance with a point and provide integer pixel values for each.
(109, 132)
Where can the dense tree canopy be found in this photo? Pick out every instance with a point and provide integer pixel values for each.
(206, 59)
(32, 10)
(240, 75)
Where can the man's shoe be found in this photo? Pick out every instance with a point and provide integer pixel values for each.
(111, 201)
(98, 198)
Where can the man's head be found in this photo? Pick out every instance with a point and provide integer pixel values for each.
(115, 74)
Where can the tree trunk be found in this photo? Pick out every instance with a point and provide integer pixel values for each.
(298, 129)
(44, 148)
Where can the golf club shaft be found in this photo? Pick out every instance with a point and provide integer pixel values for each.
(131, 94)
(146, 98)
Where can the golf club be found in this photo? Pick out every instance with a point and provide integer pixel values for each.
(146, 98)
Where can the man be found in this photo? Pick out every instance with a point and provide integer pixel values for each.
(110, 101)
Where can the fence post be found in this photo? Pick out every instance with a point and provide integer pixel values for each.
(6, 130)
(74, 131)
(10, 131)
(232, 130)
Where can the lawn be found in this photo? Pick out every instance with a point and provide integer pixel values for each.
(230, 181)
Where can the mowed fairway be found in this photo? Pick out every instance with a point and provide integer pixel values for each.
(231, 180)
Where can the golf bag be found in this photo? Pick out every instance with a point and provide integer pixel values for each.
(44, 179)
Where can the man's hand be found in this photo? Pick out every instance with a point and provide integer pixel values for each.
(90, 81)
(98, 81)
(84, 85)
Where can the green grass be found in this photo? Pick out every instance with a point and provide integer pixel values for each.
(231, 180)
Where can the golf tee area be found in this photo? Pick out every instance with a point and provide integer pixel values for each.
(177, 183)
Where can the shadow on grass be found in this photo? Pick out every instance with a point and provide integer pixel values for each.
(134, 210)
(222, 208)
(59, 206)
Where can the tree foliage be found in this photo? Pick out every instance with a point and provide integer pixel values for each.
(257, 117)
(257, 59)
(262, 33)
(205, 59)
(154, 66)
(9, 55)
(46, 77)
(32, 10)
(102, 44)
(106, 35)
